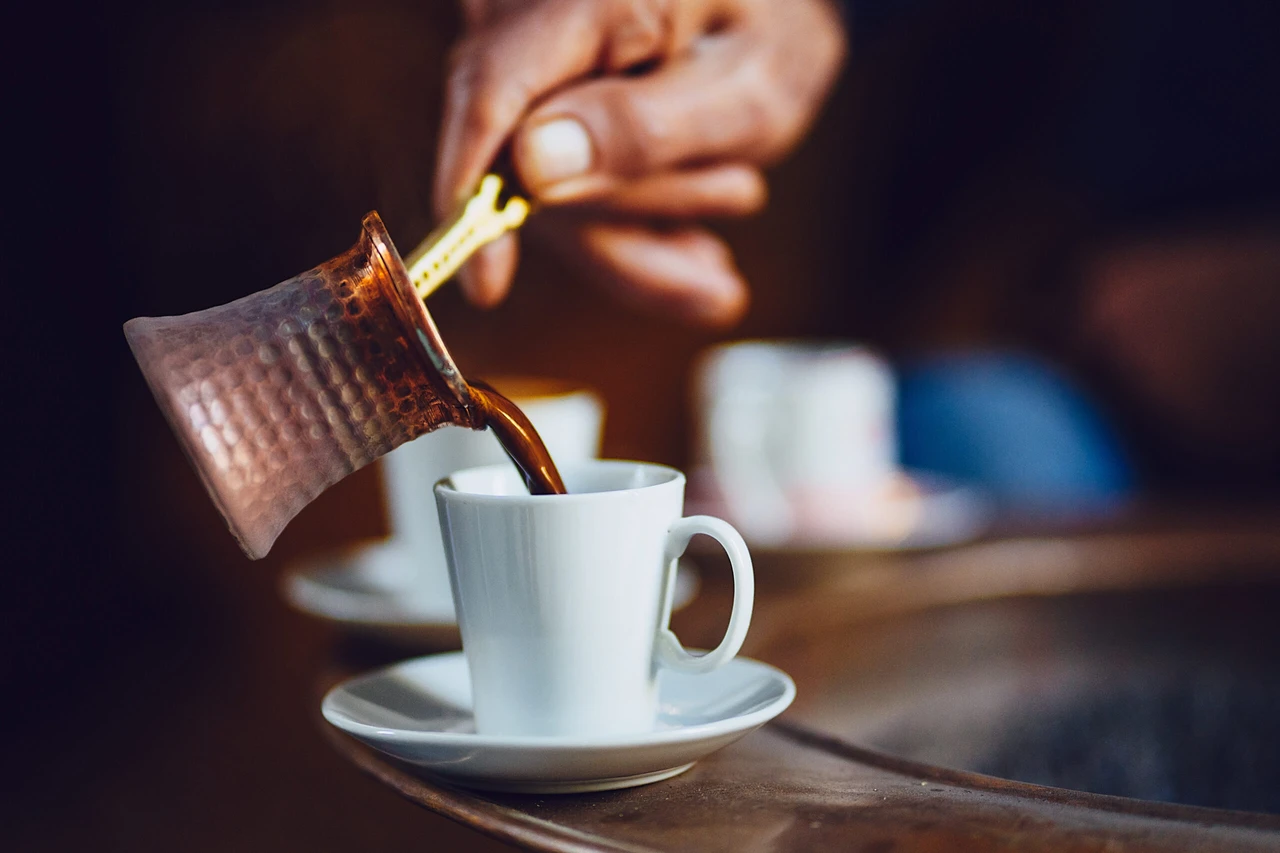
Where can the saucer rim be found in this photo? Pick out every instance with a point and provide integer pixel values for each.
(567, 786)
(302, 573)
(381, 734)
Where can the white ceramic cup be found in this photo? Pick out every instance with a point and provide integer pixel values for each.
(563, 601)
(569, 419)
(787, 428)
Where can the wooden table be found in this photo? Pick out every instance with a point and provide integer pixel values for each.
(908, 664)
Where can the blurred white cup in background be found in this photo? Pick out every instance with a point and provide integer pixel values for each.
(794, 434)
(568, 417)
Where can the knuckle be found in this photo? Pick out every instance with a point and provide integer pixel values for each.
(463, 72)
(474, 11)
(643, 14)
(767, 108)
(638, 133)
(462, 57)
(490, 100)
(639, 29)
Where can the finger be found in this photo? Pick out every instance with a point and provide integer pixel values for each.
(476, 12)
(708, 105)
(534, 49)
(687, 273)
(486, 278)
(736, 95)
(732, 189)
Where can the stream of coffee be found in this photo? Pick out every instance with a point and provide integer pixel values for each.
(519, 439)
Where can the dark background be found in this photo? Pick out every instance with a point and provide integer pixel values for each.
(1094, 182)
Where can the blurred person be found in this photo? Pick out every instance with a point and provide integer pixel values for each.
(632, 121)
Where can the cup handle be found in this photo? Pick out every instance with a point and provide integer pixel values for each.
(668, 650)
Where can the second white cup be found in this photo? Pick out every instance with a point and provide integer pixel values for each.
(791, 431)
(568, 417)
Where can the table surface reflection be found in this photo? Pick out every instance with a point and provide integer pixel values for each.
(1031, 655)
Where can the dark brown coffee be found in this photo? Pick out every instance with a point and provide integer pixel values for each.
(519, 439)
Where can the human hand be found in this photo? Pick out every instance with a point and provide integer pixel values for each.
(629, 120)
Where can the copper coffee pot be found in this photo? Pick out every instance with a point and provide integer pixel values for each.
(278, 395)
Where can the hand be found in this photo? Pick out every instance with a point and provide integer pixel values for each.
(628, 120)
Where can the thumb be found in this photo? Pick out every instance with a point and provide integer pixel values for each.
(711, 104)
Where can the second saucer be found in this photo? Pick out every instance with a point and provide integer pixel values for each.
(369, 590)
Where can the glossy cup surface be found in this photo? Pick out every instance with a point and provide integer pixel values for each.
(560, 597)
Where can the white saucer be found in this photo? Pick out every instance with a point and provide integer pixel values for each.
(918, 510)
(419, 712)
(369, 590)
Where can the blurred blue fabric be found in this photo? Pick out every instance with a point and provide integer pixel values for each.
(1014, 426)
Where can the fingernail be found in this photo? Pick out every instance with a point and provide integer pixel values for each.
(557, 151)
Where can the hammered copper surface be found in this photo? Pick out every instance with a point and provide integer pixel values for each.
(277, 396)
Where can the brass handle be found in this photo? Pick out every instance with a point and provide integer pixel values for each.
(476, 223)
